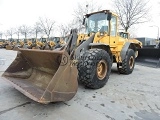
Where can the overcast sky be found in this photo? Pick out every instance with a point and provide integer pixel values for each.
(14, 13)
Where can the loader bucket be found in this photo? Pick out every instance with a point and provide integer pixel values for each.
(43, 75)
(149, 57)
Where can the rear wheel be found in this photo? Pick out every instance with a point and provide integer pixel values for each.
(128, 63)
(94, 68)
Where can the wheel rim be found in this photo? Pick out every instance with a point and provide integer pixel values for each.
(131, 62)
(101, 69)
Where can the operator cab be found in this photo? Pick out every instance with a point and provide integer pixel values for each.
(43, 40)
(97, 22)
(33, 40)
(56, 39)
(102, 21)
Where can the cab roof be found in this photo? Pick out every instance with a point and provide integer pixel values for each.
(102, 11)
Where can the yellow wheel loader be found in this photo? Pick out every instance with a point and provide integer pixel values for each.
(3, 43)
(32, 44)
(42, 43)
(45, 44)
(51, 75)
(11, 44)
(137, 43)
(126, 35)
(20, 44)
(52, 43)
(56, 42)
(103, 25)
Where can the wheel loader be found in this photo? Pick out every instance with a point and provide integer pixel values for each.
(52, 75)
(3, 43)
(11, 44)
(18, 44)
(42, 43)
(51, 43)
(126, 35)
(32, 44)
(22, 43)
(55, 42)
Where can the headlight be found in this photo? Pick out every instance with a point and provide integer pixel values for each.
(101, 33)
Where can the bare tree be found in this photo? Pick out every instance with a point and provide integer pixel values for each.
(25, 30)
(6, 35)
(46, 25)
(133, 32)
(131, 12)
(65, 29)
(37, 29)
(17, 31)
(10, 32)
(82, 9)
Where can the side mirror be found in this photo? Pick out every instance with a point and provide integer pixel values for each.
(109, 16)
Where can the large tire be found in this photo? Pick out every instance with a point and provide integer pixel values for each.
(128, 63)
(94, 68)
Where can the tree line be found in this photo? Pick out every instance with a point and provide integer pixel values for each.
(130, 13)
(42, 26)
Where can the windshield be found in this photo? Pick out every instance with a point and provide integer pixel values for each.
(56, 39)
(43, 39)
(97, 22)
(25, 40)
(33, 40)
(11, 40)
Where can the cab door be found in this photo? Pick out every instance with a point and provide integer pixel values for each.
(113, 31)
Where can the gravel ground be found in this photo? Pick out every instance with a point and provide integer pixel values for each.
(124, 97)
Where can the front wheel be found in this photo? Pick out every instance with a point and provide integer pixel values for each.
(128, 63)
(42, 47)
(29, 47)
(94, 68)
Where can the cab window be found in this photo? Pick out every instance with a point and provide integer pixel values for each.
(113, 26)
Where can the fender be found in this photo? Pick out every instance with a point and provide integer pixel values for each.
(102, 46)
(125, 48)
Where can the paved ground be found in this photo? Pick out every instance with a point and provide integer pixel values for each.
(125, 97)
